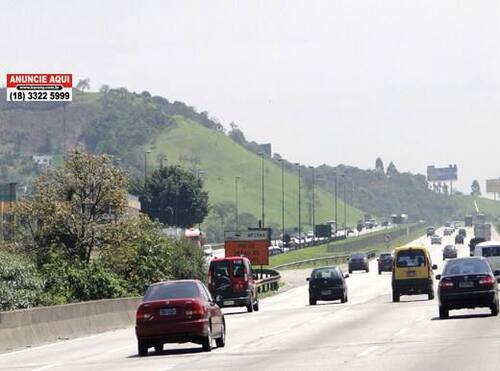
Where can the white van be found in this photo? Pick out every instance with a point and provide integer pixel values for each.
(491, 251)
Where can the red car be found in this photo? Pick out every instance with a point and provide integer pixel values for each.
(178, 312)
(232, 283)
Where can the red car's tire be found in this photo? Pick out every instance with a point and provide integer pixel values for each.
(221, 341)
(142, 348)
(206, 343)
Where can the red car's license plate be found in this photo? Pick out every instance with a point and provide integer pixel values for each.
(168, 312)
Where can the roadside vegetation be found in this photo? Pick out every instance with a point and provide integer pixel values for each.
(75, 240)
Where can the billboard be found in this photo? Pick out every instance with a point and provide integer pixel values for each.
(493, 186)
(441, 174)
(254, 244)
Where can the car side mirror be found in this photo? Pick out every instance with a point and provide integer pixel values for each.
(438, 277)
(346, 275)
(434, 267)
(496, 272)
(308, 279)
(378, 260)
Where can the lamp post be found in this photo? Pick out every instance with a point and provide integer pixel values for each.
(282, 198)
(300, 225)
(236, 178)
(336, 218)
(313, 202)
(146, 153)
(345, 206)
(263, 210)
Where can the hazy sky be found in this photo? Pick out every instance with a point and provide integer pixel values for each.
(415, 82)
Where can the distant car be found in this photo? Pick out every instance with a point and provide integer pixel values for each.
(274, 250)
(327, 283)
(462, 232)
(467, 283)
(208, 251)
(358, 262)
(231, 282)
(430, 231)
(436, 239)
(459, 239)
(449, 252)
(447, 231)
(385, 263)
(178, 312)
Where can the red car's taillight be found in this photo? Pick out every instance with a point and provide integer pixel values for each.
(195, 310)
(143, 313)
(446, 284)
(486, 281)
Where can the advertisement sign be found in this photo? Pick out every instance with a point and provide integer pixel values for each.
(39, 87)
(493, 186)
(253, 244)
(441, 174)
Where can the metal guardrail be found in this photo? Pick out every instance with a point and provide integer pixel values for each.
(269, 280)
(371, 254)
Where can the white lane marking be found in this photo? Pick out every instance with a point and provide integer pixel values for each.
(367, 351)
(401, 332)
(420, 318)
(167, 368)
(46, 367)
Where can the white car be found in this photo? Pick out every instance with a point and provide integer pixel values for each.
(491, 251)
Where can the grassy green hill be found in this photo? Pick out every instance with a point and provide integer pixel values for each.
(487, 206)
(194, 146)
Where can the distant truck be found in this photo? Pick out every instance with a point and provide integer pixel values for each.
(468, 220)
(483, 231)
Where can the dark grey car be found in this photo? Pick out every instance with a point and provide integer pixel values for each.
(327, 283)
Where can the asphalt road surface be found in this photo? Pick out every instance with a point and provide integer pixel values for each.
(367, 333)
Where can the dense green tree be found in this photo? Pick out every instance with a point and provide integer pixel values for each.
(391, 170)
(175, 197)
(73, 206)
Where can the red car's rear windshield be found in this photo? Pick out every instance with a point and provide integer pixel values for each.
(177, 290)
(221, 268)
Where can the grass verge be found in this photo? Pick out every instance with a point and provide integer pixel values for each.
(321, 251)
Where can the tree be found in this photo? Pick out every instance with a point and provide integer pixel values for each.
(83, 84)
(391, 170)
(222, 210)
(475, 188)
(379, 165)
(73, 207)
(175, 197)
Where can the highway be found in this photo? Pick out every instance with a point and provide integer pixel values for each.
(367, 333)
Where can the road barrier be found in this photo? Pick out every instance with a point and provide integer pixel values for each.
(332, 258)
(269, 279)
(29, 327)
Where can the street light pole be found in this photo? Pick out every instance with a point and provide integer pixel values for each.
(336, 218)
(314, 201)
(146, 153)
(236, 178)
(300, 225)
(263, 212)
(282, 199)
(345, 206)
